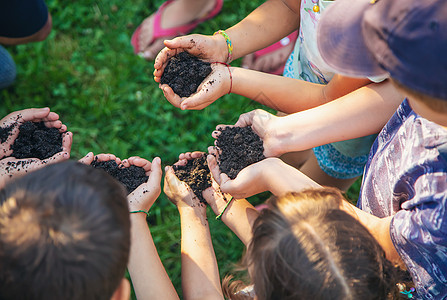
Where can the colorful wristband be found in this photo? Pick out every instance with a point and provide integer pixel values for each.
(229, 44)
(138, 211)
(225, 208)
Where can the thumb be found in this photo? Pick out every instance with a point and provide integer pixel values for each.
(88, 159)
(180, 42)
(156, 173)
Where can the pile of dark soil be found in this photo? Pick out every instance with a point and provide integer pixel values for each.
(184, 73)
(240, 147)
(131, 177)
(5, 132)
(37, 141)
(196, 174)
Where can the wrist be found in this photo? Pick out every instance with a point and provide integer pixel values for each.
(225, 44)
(222, 50)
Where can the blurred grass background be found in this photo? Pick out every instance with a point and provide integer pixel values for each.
(86, 72)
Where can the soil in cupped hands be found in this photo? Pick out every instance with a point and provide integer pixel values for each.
(184, 73)
(131, 177)
(35, 140)
(196, 174)
(239, 147)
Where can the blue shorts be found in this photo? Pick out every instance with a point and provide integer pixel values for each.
(7, 69)
(344, 164)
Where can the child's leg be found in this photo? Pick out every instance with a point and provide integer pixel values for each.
(7, 68)
(313, 170)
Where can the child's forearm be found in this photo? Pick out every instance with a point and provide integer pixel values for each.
(360, 113)
(266, 25)
(239, 216)
(283, 178)
(280, 93)
(200, 274)
(149, 278)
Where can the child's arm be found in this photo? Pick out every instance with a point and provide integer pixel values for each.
(149, 278)
(266, 25)
(200, 274)
(378, 227)
(270, 174)
(284, 94)
(360, 113)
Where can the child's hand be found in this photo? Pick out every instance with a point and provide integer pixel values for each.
(11, 167)
(214, 86)
(264, 124)
(17, 118)
(250, 180)
(178, 191)
(207, 48)
(145, 195)
(88, 159)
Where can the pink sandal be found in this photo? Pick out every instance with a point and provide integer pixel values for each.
(290, 39)
(175, 31)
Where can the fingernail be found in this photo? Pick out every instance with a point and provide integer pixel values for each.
(157, 159)
(166, 168)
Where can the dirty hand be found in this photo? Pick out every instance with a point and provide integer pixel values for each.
(179, 192)
(207, 48)
(11, 167)
(145, 195)
(263, 124)
(250, 180)
(17, 118)
(214, 86)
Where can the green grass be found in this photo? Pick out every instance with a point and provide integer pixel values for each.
(86, 71)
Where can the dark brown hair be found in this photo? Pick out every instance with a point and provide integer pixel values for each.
(64, 234)
(305, 247)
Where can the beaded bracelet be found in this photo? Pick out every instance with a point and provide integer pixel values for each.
(225, 208)
(229, 44)
(138, 211)
(229, 71)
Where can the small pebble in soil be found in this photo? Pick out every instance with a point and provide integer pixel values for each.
(131, 177)
(184, 73)
(35, 140)
(196, 174)
(239, 148)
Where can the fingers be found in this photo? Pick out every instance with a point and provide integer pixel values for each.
(214, 168)
(172, 97)
(107, 157)
(33, 114)
(67, 141)
(138, 162)
(246, 119)
(199, 100)
(88, 159)
(156, 174)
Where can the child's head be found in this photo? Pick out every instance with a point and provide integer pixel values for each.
(305, 247)
(64, 234)
(405, 39)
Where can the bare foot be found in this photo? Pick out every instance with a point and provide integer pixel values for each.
(177, 13)
(269, 62)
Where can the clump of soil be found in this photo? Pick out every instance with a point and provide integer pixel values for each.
(131, 177)
(196, 174)
(239, 148)
(35, 140)
(5, 132)
(184, 73)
